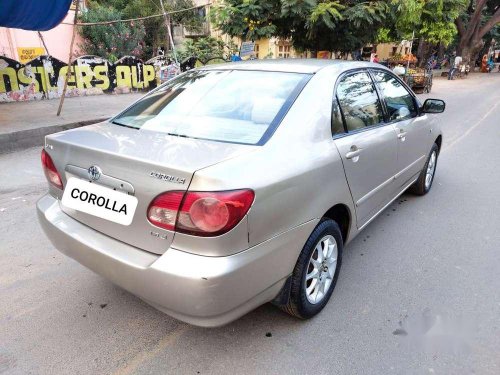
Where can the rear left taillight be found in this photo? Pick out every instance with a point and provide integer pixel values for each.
(50, 171)
(204, 214)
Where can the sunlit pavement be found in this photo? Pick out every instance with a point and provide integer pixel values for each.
(418, 292)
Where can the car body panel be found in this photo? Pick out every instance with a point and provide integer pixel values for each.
(128, 157)
(206, 291)
(371, 174)
(413, 134)
(287, 172)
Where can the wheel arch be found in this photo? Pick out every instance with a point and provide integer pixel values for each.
(439, 142)
(341, 214)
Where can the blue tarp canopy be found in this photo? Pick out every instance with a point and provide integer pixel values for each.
(37, 15)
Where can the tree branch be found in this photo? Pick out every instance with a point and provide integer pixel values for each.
(475, 19)
(490, 24)
(460, 26)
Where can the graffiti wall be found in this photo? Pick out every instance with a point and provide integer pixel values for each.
(44, 76)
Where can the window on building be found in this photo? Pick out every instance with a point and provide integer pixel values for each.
(284, 51)
(256, 50)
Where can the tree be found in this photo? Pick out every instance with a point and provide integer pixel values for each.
(478, 20)
(110, 41)
(432, 22)
(205, 49)
(310, 24)
(155, 34)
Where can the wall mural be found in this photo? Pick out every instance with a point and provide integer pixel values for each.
(44, 76)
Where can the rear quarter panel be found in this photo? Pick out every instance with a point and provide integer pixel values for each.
(297, 175)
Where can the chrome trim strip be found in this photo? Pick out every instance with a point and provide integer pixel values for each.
(388, 204)
(368, 195)
(408, 167)
(387, 182)
(104, 180)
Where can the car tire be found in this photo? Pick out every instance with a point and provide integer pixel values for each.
(302, 302)
(424, 183)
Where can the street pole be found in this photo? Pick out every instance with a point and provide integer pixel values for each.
(167, 24)
(44, 76)
(411, 47)
(70, 66)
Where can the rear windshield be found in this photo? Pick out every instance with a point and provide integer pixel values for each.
(226, 105)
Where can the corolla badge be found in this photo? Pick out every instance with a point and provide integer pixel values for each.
(94, 172)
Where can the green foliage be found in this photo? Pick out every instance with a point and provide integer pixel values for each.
(110, 41)
(155, 33)
(339, 25)
(248, 19)
(434, 20)
(310, 24)
(206, 49)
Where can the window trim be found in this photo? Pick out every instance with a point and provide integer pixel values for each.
(406, 87)
(346, 131)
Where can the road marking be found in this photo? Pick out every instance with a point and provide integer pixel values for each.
(453, 143)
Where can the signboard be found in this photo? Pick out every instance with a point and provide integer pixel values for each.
(324, 55)
(29, 53)
(247, 49)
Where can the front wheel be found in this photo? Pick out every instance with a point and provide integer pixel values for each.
(424, 183)
(316, 271)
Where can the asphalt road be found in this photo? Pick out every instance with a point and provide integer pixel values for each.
(419, 290)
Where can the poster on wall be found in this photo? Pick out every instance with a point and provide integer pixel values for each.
(29, 53)
(247, 49)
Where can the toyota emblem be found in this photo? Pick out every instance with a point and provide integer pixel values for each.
(94, 172)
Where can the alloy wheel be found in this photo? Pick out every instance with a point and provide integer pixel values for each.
(321, 269)
(431, 168)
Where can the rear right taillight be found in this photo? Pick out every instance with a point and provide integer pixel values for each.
(50, 171)
(206, 214)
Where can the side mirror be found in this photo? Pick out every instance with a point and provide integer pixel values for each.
(433, 106)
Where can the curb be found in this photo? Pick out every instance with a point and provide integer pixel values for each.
(24, 139)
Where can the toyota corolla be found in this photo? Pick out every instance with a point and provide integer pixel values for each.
(235, 185)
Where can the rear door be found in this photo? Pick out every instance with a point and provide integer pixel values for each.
(368, 147)
(411, 129)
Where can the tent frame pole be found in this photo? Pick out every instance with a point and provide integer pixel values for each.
(70, 58)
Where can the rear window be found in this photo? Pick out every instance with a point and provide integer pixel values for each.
(226, 105)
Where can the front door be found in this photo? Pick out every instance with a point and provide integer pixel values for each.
(411, 129)
(369, 148)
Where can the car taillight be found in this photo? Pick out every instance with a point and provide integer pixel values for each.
(50, 170)
(204, 214)
(163, 210)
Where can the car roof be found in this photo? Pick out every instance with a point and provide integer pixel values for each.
(309, 66)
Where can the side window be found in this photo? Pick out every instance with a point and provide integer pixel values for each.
(359, 101)
(399, 102)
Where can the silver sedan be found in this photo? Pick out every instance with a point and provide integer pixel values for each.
(235, 185)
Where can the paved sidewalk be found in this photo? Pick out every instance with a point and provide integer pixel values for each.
(24, 124)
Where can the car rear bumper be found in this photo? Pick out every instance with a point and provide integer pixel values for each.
(201, 290)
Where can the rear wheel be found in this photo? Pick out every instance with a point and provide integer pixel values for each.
(424, 183)
(316, 271)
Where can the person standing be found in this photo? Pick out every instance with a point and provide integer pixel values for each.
(454, 65)
(484, 64)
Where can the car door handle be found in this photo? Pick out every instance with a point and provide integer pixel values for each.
(354, 153)
(402, 135)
